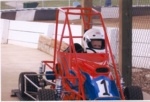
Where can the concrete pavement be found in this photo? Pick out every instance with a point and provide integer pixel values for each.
(16, 59)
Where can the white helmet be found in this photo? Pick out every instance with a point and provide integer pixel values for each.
(93, 41)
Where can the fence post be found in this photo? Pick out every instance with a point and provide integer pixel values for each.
(88, 4)
(125, 40)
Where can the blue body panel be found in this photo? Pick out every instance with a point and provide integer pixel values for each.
(100, 88)
(50, 75)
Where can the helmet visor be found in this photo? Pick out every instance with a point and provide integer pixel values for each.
(96, 43)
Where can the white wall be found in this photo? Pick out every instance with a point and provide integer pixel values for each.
(24, 33)
(4, 30)
(26, 15)
(71, 17)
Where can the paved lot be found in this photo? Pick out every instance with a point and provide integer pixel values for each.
(16, 59)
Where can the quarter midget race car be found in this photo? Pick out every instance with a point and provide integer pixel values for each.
(78, 73)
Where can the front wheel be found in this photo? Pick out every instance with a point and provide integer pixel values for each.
(133, 93)
(29, 87)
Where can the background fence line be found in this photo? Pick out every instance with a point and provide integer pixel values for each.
(19, 4)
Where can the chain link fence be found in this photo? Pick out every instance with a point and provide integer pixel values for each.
(140, 38)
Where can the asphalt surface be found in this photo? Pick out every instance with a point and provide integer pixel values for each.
(16, 59)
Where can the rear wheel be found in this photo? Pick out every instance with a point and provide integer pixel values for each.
(45, 94)
(133, 93)
(29, 86)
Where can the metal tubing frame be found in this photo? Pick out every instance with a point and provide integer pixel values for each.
(95, 12)
(25, 84)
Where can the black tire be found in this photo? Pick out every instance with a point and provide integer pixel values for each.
(45, 95)
(133, 93)
(29, 86)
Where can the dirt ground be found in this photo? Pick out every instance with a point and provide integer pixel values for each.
(141, 77)
(138, 22)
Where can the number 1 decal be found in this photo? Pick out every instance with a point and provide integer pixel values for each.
(103, 88)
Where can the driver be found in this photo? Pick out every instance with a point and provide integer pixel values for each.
(93, 41)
